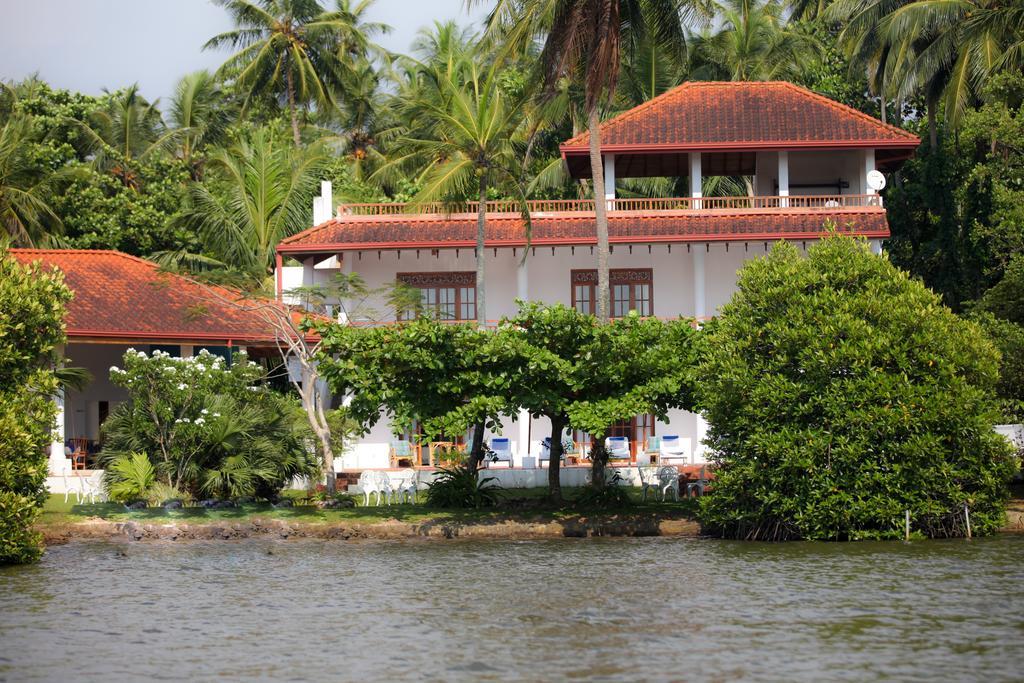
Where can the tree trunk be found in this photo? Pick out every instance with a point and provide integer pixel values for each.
(291, 107)
(598, 461)
(476, 447)
(883, 110)
(558, 423)
(481, 256)
(318, 422)
(600, 213)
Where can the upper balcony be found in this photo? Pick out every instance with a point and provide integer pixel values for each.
(542, 208)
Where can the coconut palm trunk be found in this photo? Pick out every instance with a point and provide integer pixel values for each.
(481, 256)
(290, 87)
(600, 214)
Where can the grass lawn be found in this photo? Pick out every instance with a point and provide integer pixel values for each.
(57, 512)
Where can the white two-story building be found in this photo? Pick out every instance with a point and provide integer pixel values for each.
(809, 162)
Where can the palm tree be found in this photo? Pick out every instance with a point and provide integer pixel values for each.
(945, 50)
(583, 39)
(258, 193)
(293, 49)
(25, 186)
(753, 43)
(198, 112)
(465, 144)
(127, 129)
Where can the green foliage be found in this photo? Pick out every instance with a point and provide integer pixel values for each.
(840, 393)
(460, 486)
(131, 477)
(207, 429)
(32, 304)
(1009, 339)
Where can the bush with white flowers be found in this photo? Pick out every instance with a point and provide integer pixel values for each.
(210, 428)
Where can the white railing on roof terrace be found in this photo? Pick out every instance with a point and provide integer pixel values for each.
(822, 202)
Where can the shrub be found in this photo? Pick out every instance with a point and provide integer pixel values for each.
(209, 430)
(32, 305)
(129, 477)
(460, 486)
(839, 394)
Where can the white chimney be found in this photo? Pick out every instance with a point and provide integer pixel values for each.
(323, 206)
(327, 192)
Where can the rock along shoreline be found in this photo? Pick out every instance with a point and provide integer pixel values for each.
(387, 530)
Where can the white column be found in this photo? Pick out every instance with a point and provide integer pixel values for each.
(59, 462)
(869, 166)
(346, 269)
(699, 298)
(609, 180)
(699, 449)
(876, 247)
(523, 293)
(696, 179)
(783, 177)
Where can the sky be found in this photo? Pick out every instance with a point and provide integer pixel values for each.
(88, 45)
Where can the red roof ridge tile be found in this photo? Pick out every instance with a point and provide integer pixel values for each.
(847, 109)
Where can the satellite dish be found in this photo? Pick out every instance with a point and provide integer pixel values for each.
(876, 181)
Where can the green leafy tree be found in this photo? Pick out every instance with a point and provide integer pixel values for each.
(567, 367)
(446, 377)
(840, 392)
(32, 306)
(1009, 339)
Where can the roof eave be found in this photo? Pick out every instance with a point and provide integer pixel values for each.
(578, 150)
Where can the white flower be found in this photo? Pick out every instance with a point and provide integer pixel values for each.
(200, 421)
(204, 411)
(183, 386)
(114, 368)
(178, 421)
(216, 414)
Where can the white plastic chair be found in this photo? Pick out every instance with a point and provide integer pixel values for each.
(73, 486)
(700, 484)
(674, 448)
(92, 488)
(668, 479)
(375, 481)
(649, 479)
(617, 447)
(502, 449)
(408, 485)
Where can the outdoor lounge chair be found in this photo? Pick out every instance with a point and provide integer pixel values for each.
(618, 448)
(402, 450)
(501, 450)
(673, 448)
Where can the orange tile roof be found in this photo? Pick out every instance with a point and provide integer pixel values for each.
(738, 115)
(353, 233)
(125, 298)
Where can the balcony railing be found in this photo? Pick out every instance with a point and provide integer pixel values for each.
(643, 205)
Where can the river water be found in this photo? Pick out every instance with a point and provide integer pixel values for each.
(617, 610)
